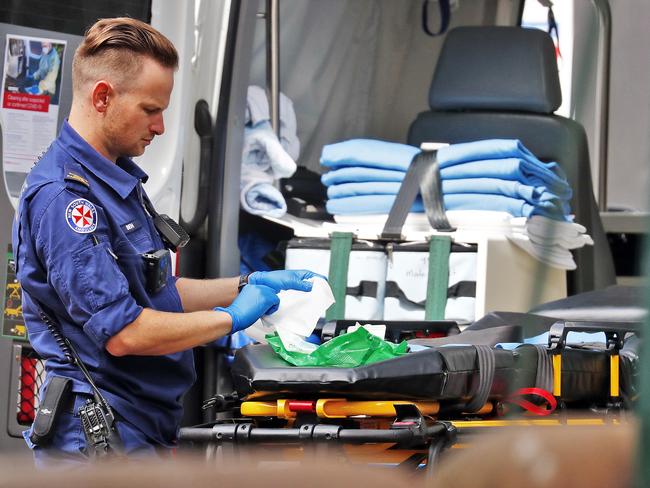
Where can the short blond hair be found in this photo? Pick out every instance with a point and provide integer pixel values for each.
(114, 48)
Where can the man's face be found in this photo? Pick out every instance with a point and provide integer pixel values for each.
(45, 47)
(134, 116)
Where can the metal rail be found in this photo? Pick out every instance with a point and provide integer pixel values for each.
(239, 433)
(273, 61)
(602, 96)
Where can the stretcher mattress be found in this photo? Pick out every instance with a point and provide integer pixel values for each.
(449, 374)
(444, 374)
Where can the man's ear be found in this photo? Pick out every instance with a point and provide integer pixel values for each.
(101, 95)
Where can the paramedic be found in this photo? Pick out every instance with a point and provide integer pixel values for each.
(82, 227)
(48, 70)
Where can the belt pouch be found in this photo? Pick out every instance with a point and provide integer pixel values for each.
(55, 400)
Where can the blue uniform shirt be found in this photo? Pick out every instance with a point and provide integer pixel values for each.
(78, 237)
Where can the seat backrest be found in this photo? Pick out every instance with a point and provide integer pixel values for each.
(502, 82)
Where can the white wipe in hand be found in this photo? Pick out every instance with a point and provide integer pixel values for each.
(296, 317)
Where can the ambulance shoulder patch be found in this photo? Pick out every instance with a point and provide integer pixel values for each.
(81, 216)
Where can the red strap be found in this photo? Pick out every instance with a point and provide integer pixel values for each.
(518, 399)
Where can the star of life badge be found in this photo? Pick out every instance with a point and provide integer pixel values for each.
(81, 216)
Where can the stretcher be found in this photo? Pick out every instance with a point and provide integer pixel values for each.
(407, 410)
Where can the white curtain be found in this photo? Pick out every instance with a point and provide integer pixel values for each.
(359, 68)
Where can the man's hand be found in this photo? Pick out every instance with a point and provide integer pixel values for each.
(253, 302)
(287, 279)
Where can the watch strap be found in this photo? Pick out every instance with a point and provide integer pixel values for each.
(243, 281)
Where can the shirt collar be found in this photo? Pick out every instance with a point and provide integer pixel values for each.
(122, 177)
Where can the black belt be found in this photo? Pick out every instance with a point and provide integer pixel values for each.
(393, 290)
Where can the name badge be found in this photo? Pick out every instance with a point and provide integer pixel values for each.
(131, 226)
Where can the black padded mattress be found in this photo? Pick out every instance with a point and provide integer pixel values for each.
(446, 374)
(443, 374)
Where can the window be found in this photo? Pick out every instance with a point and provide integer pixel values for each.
(535, 16)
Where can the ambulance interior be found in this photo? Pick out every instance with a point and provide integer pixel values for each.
(367, 69)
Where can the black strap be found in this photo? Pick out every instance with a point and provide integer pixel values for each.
(393, 290)
(486, 365)
(462, 289)
(408, 190)
(422, 176)
(431, 191)
(146, 203)
(364, 289)
(544, 375)
(445, 14)
(369, 289)
(173, 235)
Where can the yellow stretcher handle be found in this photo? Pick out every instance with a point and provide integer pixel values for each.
(338, 408)
(333, 408)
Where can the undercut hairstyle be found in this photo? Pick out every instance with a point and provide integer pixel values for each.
(113, 49)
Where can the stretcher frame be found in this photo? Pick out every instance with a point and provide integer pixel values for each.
(416, 432)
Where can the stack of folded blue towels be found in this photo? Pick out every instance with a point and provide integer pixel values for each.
(496, 174)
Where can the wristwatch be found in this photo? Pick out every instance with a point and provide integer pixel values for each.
(243, 281)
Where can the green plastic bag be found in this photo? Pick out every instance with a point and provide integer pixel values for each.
(345, 351)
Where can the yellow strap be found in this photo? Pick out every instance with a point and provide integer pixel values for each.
(557, 375)
(614, 363)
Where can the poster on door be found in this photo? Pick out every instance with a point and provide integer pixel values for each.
(31, 87)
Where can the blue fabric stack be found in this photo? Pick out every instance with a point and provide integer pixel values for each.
(496, 174)
(265, 157)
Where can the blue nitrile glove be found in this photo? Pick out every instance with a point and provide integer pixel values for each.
(252, 302)
(287, 279)
(314, 339)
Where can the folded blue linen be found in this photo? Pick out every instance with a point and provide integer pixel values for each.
(263, 199)
(358, 174)
(493, 186)
(263, 152)
(368, 153)
(363, 188)
(520, 164)
(367, 205)
(259, 114)
(491, 149)
(393, 155)
(512, 169)
(503, 169)
(381, 204)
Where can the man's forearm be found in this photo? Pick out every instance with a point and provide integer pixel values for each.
(206, 294)
(156, 333)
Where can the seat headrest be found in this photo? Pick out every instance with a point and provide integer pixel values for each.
(496, 68)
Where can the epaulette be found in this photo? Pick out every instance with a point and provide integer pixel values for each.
(75, 178)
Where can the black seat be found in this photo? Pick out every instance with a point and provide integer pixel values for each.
(502, 82)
